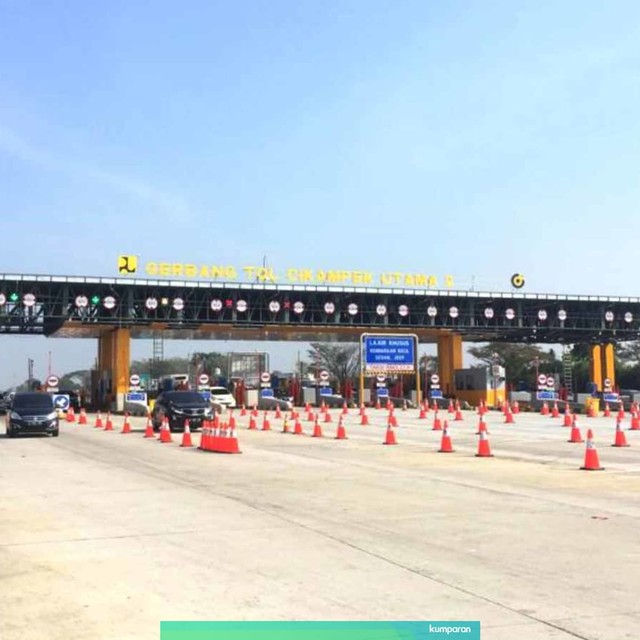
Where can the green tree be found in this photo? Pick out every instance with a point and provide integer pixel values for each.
(160, 368)
(208, 362)
(341, 361)
(521, 361)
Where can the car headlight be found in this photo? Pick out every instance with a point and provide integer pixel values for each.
(178, 412)
(15, 416)
(52, 416)
(208, 411)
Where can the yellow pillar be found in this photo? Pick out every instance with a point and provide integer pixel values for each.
(608, 364)
(114, 351)
(449, 359)
(595, 366)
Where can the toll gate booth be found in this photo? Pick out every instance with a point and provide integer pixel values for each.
(477, 384)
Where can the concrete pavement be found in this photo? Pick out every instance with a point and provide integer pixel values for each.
(103, 535)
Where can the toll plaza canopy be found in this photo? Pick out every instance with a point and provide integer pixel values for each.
(74, 306)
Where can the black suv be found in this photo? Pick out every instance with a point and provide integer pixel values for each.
(32, 412)
(179, 406)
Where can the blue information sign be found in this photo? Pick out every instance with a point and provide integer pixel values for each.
(546, 395)
(61, 401)
(326, 391)
(266, 393)
(382, 393)
(136, 396)
(610, 397)
(388, 353)
(435, 393)
(206, 395)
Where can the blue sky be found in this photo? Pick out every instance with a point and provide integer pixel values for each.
(470, 138)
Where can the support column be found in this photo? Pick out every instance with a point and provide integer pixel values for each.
(449, 359)
(595, 366)
(114, 351)
(608, 364)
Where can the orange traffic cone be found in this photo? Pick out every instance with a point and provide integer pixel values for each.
(555, 412)
(423, 413)
(310, 416)
(635, 421)
(278, 413)
(230, 443)
(621, 439)
(285, 426)
(243, 411)
(575, 436)
(204, 435)
(591, 460)
(451, 408)
(390, 436)
(341, 433)
(482, 426)
(148, 432)
(71, 416)
(317, 429)
(621, 413)
(345, 409)
(98, 424)
(186, 436)
(567, 416)
(516, 407)
(445, 442)
(607, 411)
(458, 416)
(297, 428)
(364, 419)
(126, 426)
(108, 425)
(484, 450)
(508, 416)
(82, 419)
(437, 424)
(545, 409)
(327, 416)
(266, 425)
(165, 432)
(252, 422)
(378, 405)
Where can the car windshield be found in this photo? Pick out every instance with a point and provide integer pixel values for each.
(220, 392)
(184, 397)
(32, 401)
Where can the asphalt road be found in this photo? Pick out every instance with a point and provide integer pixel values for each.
(102, 535)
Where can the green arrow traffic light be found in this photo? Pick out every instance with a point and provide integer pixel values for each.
(14, 297)
(95, 299)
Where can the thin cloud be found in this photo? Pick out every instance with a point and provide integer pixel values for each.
(159, 201)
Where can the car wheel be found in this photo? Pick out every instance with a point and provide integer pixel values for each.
(9, 432)
(55, 433)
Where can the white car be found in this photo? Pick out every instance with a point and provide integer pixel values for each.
(222, 397)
